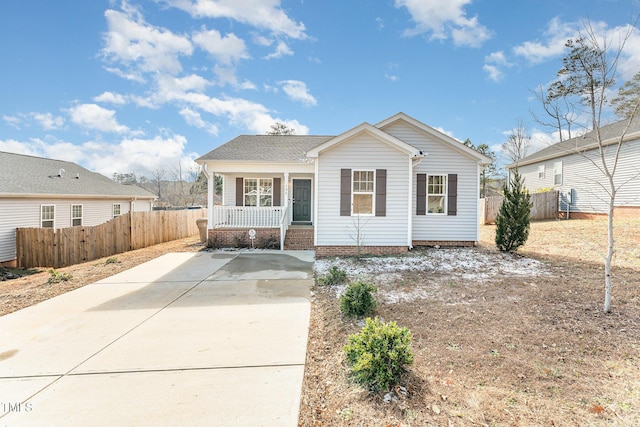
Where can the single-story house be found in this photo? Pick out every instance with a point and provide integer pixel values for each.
(377, 189)
(574, 167)
(39, 192)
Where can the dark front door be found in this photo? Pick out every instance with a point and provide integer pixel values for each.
(302, 200)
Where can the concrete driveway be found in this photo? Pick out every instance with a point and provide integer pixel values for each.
(207, 338)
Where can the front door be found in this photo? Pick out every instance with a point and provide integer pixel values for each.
(302, 200)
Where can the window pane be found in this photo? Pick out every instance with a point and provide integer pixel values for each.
(436, 204)
(76, 222)
(265, 200)
(250, 200)
(362, 204)
(47, 212)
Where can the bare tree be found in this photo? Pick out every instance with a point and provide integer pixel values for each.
(589, 71)
(560, 113)
(158, 176)
(517, 145)
(279, 128)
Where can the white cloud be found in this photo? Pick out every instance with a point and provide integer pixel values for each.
(141, 47)
(94, 117)
(281, 50)
(110, 98)
(445, 19)
(19, 147)
(228, 49)
(12, 121)
(262, 14)
(494, 63)
(391, 77)
(297, 91)
(555, 37)
(48, 121)
(194, 118)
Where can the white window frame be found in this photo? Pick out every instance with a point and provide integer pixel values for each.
(541, 171)
(259, 195)
(74, 217)
(557, 172)
(430, 194)
(363, 192)
(113, 210)
(52, 219)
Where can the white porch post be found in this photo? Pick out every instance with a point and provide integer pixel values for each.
(286, 189)
(211, 191)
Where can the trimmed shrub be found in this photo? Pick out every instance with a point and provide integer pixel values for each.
(358, 299)
(334, 276)
(378, 354)
(57, 277)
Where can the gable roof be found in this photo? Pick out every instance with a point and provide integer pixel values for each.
(443, 137)
(609, 134)
(268, 148)
(22, 175)
(371, 130)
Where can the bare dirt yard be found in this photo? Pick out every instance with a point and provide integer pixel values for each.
(498, 339)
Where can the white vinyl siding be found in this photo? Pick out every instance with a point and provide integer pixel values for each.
(583, 176)
(389, 230)
(22, 213)
(442, 159)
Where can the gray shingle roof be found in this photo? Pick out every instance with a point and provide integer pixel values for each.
(608, 134)
(269, 148)
(20, 175)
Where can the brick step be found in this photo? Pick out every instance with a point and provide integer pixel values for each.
(299, 239)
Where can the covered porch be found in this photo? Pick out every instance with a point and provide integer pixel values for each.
(258, 210)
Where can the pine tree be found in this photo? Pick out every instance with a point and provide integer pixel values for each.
(514, 216)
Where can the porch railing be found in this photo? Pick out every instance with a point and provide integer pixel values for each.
(248, 217)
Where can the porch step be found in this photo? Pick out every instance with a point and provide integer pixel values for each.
(299, 238)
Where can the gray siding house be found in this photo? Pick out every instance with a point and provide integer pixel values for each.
(574, 167)
(380, 188)
(39, 192)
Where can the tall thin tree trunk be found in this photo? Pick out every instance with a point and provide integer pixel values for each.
(610, 251)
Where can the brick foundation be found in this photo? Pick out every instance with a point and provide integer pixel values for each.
(326, 251)
(446, 243)
(239, 237)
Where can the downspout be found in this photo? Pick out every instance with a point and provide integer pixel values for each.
(413, 162)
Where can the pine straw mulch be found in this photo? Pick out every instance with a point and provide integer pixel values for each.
(506, 350)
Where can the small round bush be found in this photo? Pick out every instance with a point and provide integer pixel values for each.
(378, 354)
(334, 276)
(358, 299)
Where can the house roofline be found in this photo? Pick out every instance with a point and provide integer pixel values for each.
(455, 144)
(373, 131)
(576, 150)
(72, 196)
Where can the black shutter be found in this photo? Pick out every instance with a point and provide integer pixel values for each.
(452, 194)
(421, 194)
(345, 192)
(239, 191)
(381, 192)
(276, 192)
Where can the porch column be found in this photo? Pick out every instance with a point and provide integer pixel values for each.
(286, 189)
(211, 191)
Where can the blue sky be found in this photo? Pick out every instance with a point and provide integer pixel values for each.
(140, 85)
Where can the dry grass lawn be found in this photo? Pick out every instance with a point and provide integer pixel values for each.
(495, 345)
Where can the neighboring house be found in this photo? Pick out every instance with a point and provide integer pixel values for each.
(574, 167)
(373, 189)
(38, 192)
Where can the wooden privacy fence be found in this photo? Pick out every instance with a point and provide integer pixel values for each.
(545, 206)
(48, 247)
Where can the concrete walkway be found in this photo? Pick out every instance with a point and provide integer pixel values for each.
(207, 338)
